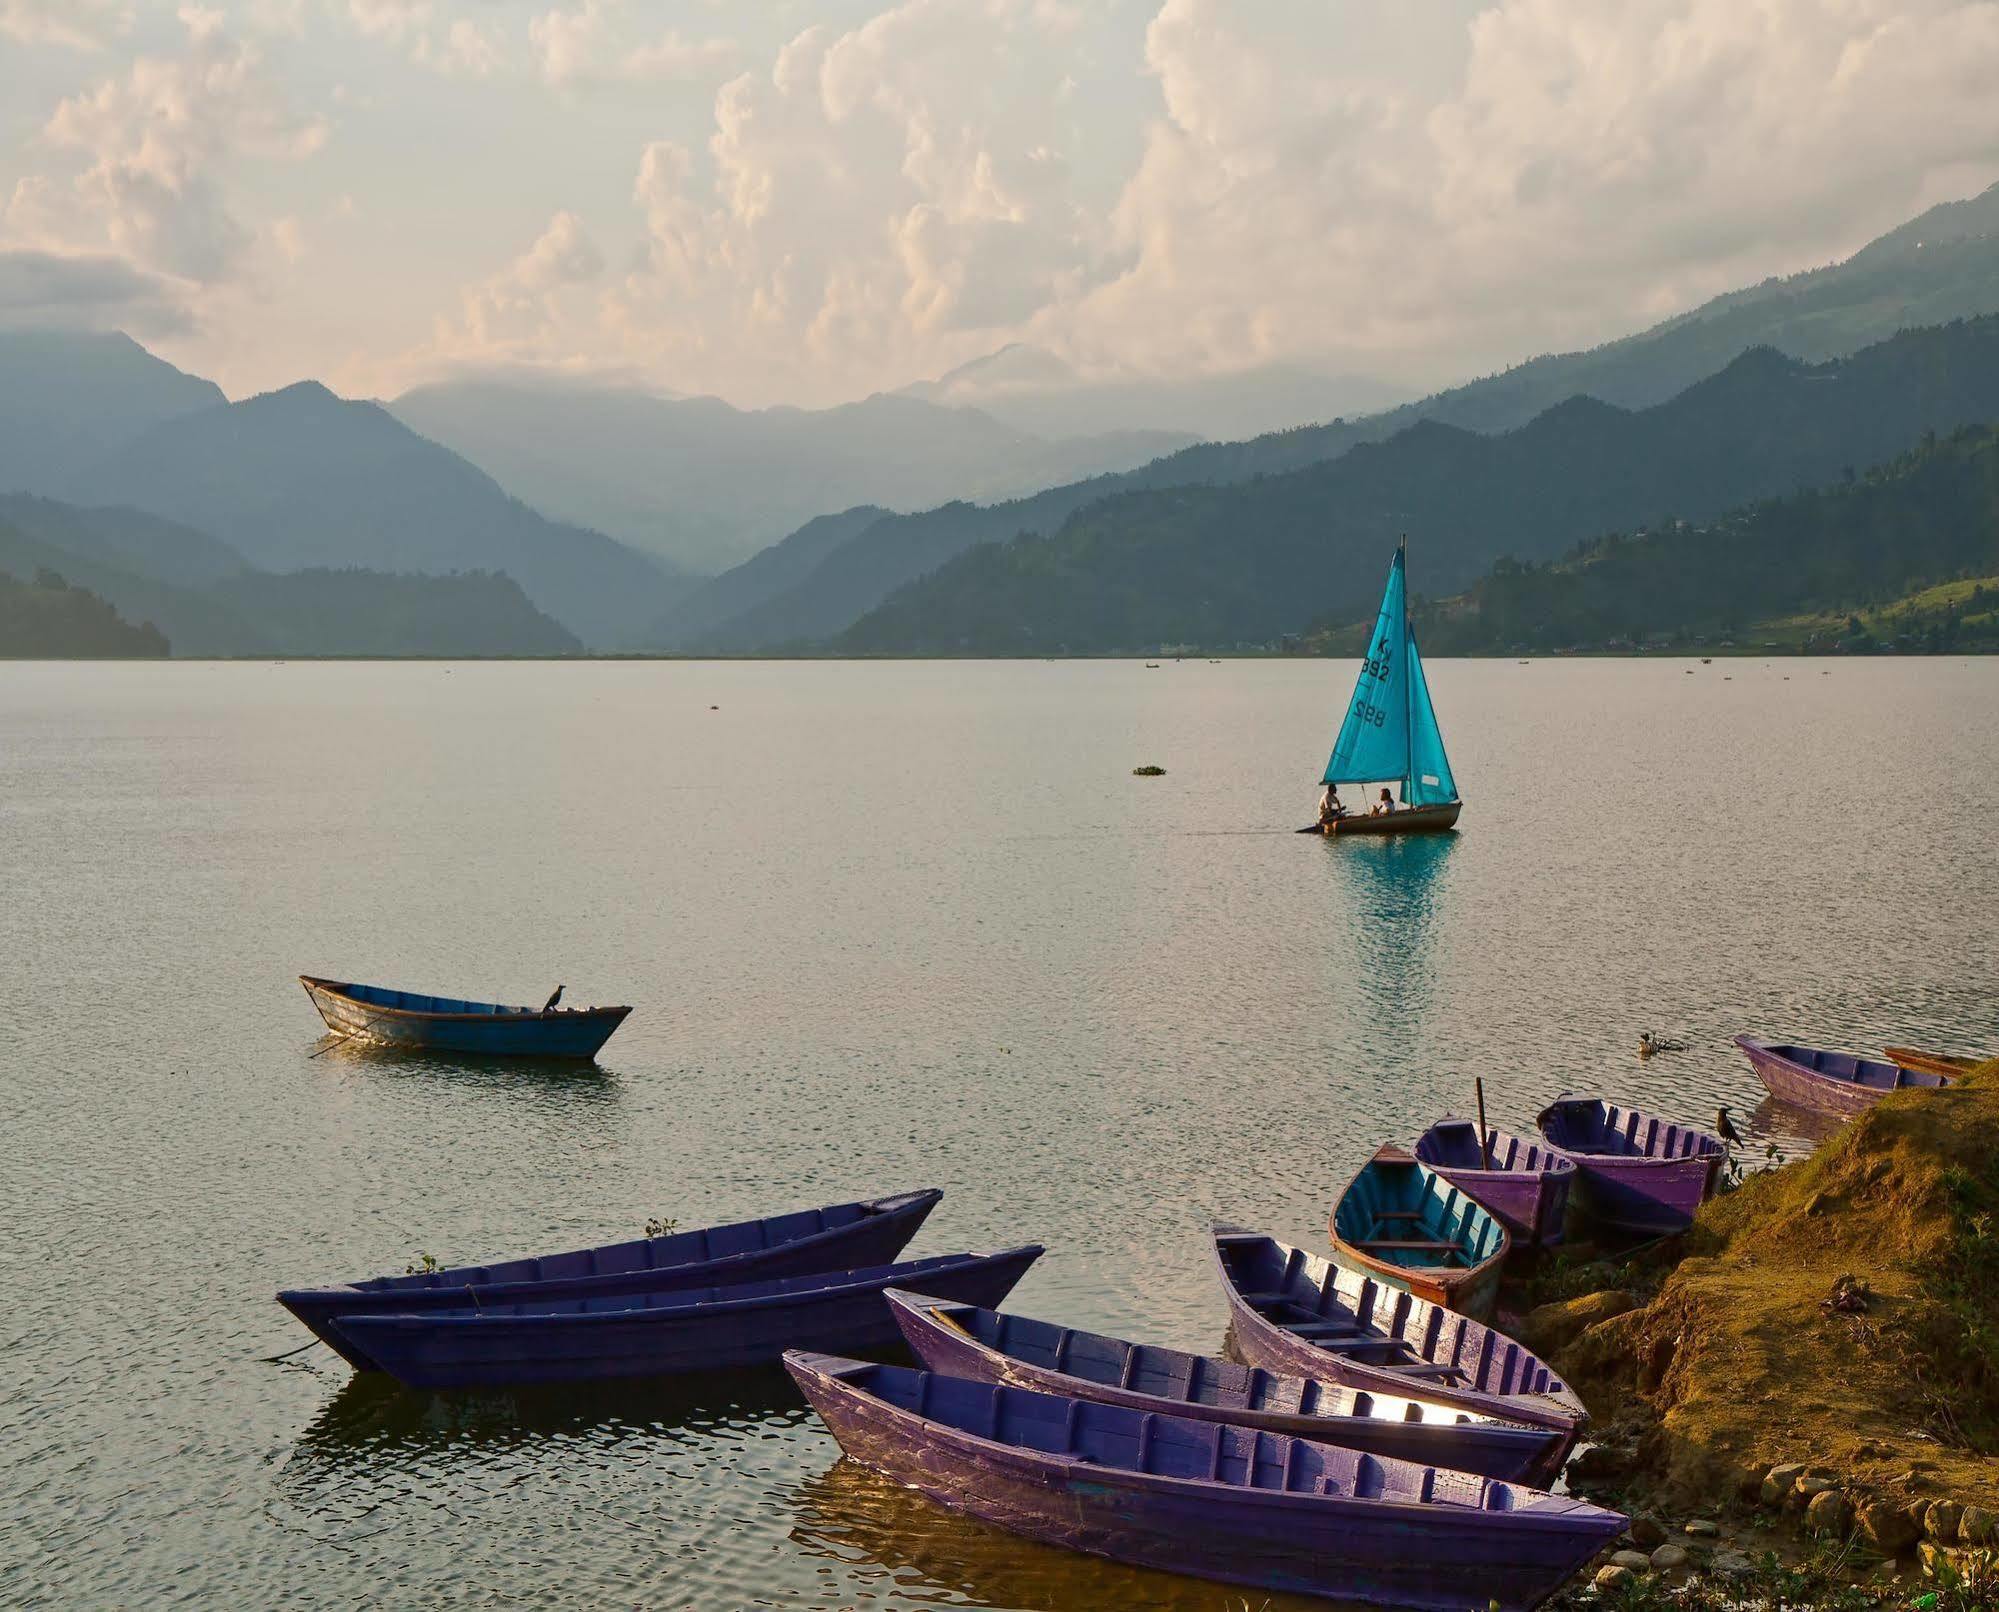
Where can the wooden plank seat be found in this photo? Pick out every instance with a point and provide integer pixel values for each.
(1424, 1245)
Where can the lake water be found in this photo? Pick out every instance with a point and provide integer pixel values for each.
(886, 925)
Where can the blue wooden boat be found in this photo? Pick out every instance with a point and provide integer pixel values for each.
(1525, 1183)
(664, 1334)
(963, 1340)
(1232, 1503)
(838, 1237)
(1308, 1316)
(382, 1017)
(1639, 1174)
(1405, 1225)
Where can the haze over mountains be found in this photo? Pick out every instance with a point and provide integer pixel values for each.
(193, 511)
(705, 486)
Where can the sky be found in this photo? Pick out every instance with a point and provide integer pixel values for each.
(807, 202)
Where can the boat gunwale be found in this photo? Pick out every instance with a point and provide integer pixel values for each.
(1558, 1163)
(1711, 1157)
(1550, 1520)
(638, 1310)
(1755, 1047)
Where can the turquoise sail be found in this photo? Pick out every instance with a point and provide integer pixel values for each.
(1390, 731)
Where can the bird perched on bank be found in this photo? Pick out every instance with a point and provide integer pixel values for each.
(1724, 1127)
(549, 1005)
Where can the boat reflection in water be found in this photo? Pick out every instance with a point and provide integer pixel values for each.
(1396, 890)
(375, 1423)
(869, 1524)
(570, 1077)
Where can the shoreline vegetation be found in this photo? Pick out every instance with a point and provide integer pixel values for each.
(1797, 1402)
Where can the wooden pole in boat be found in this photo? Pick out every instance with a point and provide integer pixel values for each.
(1484, 1146)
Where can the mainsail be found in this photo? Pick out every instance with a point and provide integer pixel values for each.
(1391, 728)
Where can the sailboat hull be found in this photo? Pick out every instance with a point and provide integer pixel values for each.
(1416, 820)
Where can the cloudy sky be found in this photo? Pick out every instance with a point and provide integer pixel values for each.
(809, 201)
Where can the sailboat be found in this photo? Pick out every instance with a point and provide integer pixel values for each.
(1390, 734)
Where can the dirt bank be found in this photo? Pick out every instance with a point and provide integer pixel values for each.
(1745, 1358)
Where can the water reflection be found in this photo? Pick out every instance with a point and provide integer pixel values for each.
(374, 1416)
(902, 1546)
(1395, 886)
(569, 1077)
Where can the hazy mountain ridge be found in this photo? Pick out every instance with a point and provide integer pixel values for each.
(154, 572)
(1255, 561)
(300, 478)
(1892, 283)
(707, 485)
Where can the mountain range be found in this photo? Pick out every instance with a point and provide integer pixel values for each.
(204, 598)
(1941, 265)
(1252, 562)
(704, 485)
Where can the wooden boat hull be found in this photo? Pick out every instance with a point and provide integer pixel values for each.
(1831, 1082)
(1931, 1063)
(665, 1334)
(1415, 820)
(1636, 1173)
(838, 1237)
(1409, 1227)
(1526, 1184)
(961, 1340)
(1217, 1501)
(1308, 1316)
(507, 1032)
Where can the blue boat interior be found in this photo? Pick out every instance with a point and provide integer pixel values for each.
(1188, 1379)
(416, 1002)
(644, 1253)
(1381, 1326)
(1869, 1072)
(776, 1291)
(1403, 1214)
(1589, 1125)
(1131, 1440)
(1452, 1144)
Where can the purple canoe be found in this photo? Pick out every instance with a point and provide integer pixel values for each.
(664, 1334)
(1221, 1502)
(1309, 1316)
(963, 1340)
(1639, 1173)
(1830, 1082)
(1525, 1184)
(838, 1237)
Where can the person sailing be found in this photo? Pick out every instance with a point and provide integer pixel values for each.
(1383, 806)
(1331, 808)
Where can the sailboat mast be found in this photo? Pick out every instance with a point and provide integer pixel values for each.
(1408, 681)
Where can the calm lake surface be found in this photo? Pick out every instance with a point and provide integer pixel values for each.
(886, 926)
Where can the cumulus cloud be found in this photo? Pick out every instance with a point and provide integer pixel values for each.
(598, 40)
(79, 24)
(516, 311)
(153, 145)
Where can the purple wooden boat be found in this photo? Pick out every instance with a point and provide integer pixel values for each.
(664, 1334)
(962, 1340)
(1639, 1174)
(1830, 1082)
(841, 1236)
(1222, 1502)
(1526, 1184)
(1309, 1316)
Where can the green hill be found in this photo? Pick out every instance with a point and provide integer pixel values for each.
(45, 618)
(1906, 558)
(1249, 564)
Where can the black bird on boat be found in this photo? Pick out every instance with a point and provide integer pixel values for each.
(549, 1005)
